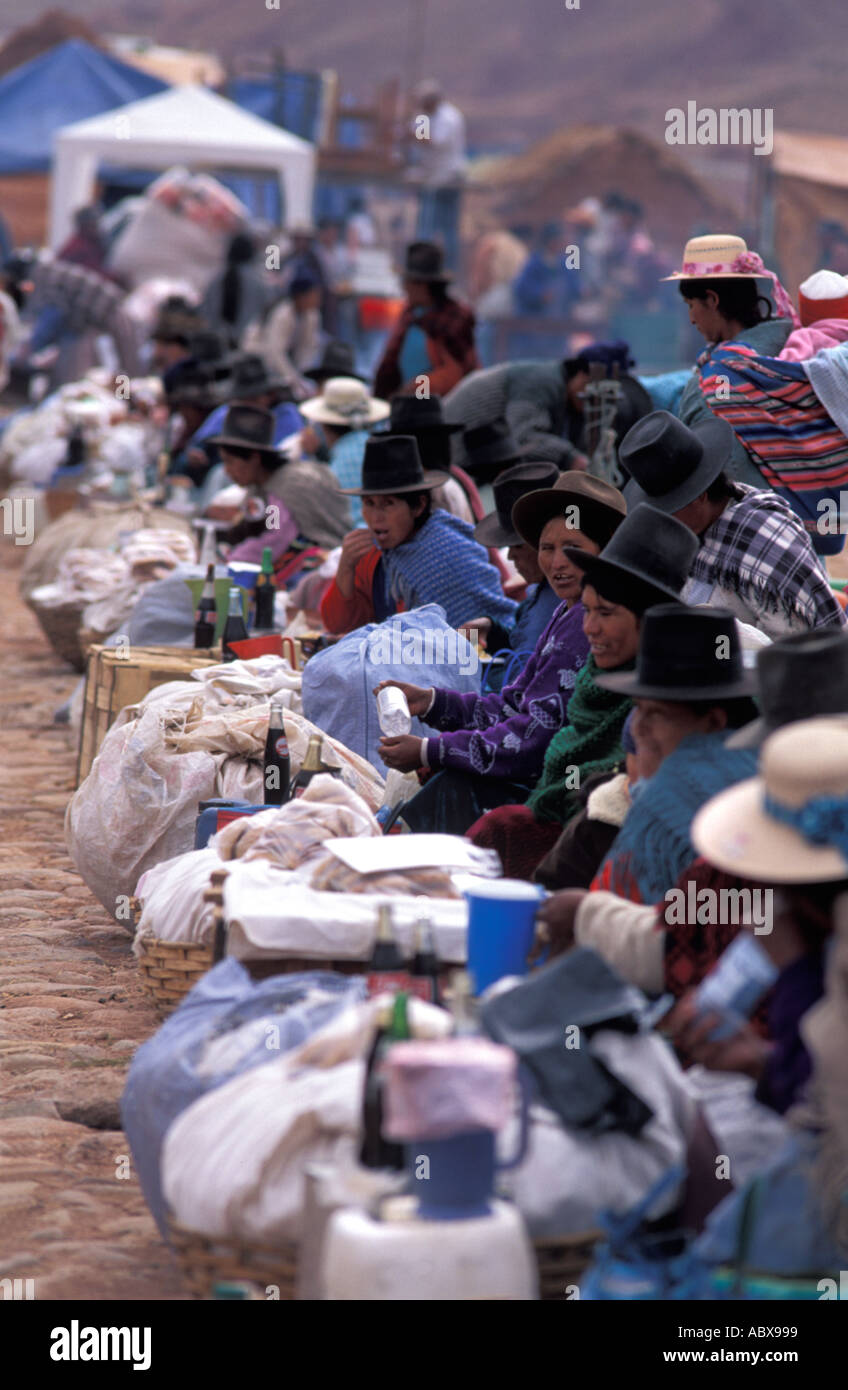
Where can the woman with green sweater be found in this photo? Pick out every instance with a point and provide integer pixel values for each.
(646, 562)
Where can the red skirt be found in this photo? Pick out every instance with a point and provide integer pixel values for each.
(521, 841)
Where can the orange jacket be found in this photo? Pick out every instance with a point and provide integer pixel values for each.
(340, 614)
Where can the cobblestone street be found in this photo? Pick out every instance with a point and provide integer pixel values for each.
(71, 1013)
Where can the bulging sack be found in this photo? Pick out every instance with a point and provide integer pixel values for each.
(416, 647)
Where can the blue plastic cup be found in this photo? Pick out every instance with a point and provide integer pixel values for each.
(501, 928)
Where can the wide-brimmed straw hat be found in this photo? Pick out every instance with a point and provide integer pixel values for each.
(790, 824)
(670, 464)
(497, 528)
(685, 654)
(714, 257)
(392, 464)
(345, 402)
(650, 551)
(600, 507)
(800, 677)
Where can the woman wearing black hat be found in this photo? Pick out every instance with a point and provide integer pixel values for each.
(434, 339)
(491, 747)
(646, 562)
(409, 554)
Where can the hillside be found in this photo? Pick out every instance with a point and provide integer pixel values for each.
(521, 70)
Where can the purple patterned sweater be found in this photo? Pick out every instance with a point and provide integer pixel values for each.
(507, 734)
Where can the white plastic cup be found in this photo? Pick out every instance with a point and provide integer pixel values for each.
(393, 712)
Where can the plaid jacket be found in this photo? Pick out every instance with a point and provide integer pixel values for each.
(758, 549)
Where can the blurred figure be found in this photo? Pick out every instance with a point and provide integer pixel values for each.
(542, 286)
(433, 342)
(359, 228)
(176, 323)
(439, 167)
(290, 338)
(85, 246)
(337, 268)
(238, 296)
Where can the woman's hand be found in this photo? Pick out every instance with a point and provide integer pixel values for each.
(475, 630)
(402, 752)
(354, 546)
(744, 1052)
(555, 923)
(416, 696)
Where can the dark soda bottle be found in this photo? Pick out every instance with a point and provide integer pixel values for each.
(276, 773)
(265, 593)
(234, 628)
(425, 963)
(377, 1152)
(206, 615)
(386, 968)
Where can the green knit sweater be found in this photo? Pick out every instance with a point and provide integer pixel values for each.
(590, 742)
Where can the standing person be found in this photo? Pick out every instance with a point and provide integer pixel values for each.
(290, 337)
(490, 748)
(434, 338)
(754, 557)
(646, 562)
(542, 286)
(337, 267)
(239, 295)
(410, 554)
(345, 413)
(439, 167)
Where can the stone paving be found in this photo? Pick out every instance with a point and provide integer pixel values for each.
(72, 1012)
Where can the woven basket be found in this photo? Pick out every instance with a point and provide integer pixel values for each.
(170, 968)
(61, 623)
(205, 1262)
(562, 1262)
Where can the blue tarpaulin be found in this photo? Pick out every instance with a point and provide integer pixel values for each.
(291, 100)
(65, 84)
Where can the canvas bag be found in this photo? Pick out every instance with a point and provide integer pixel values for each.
(418, 647)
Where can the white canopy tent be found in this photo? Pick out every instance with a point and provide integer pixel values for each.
(185, 125)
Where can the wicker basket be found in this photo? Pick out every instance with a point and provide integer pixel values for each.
(562, 1262)
(205, 1262)
(170, 968)
(61, 623)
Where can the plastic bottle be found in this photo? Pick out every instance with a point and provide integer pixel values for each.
(393, 712)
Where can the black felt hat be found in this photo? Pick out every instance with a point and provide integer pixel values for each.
(497, 528)
(392, 464)
(669, 463)
(490, 446)
(250, 377)
(247, 427)
(651, 553)
(800, 677)
(409, 415)
(425, 260)
(685, 654)
(337, 359)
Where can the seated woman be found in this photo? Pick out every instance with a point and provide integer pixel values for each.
(646, 562)
(493, 746)
(408, 554)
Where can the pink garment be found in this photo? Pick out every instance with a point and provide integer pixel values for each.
(280, 538)
(804, 343)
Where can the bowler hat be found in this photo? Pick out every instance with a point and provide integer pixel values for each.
(489, 448)
(425, 260)
(799, 677)
(409, 415)
(789, 824)
(247, 427)
(497, 528)
(685, 654)
(669, 463)
(650, 554)
(600, 507)
(337, 359)
(251, 377)
(392, 464)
